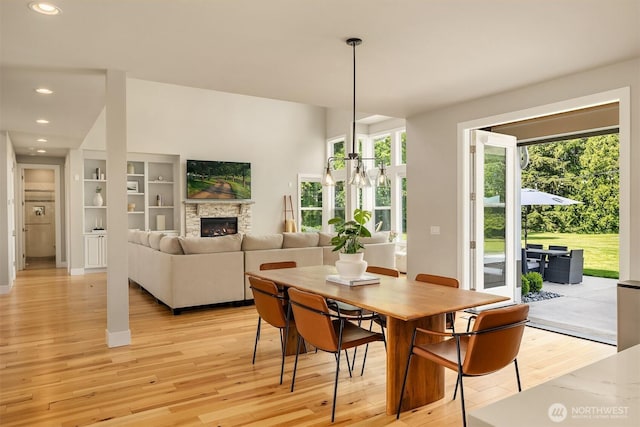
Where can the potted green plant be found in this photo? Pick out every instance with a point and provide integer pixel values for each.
(347, 242)
(347, 239)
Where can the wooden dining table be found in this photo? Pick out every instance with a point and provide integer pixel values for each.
(407, 304)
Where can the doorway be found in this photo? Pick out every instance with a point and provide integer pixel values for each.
(39, 217)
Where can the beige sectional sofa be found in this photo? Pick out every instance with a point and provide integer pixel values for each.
(186, 272)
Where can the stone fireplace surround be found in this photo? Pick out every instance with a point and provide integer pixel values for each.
(196, 210)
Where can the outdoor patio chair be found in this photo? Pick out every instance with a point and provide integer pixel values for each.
(529, 265)
(566, 269)
(534, 256)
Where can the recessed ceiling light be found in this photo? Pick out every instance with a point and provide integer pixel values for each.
(41, 151)
(45, 8)
(42, 121)
(44, 91)
(42, 140)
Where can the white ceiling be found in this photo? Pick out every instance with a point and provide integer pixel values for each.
(417, 55)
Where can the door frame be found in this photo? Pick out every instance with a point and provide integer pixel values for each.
(20, 240)
(621, 95)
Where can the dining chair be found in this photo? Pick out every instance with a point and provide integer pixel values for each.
(444, 281)
(277, 265)
(493, 344)
(270, 303)
(326, 331)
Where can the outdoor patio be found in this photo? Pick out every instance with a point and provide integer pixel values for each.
(586, 310)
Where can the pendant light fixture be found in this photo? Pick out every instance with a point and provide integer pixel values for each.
(359, 177)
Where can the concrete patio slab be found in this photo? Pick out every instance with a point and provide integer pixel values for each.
(586, 310)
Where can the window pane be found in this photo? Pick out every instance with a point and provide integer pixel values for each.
(403, 147)
(311, 195)
(382, 148)
(404, 209)
(311, 220)
(384, 216)
(383, 196)
(339, 199)
(338, 151)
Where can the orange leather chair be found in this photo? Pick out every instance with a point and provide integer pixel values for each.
(444, 281)
(270, 303)
(326, 331)
(493, 344)
(277, 265)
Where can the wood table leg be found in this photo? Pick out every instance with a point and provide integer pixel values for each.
(425, 383)
(292, 342)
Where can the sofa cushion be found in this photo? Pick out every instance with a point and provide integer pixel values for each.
(138, 236)
(144, 238)
(154, 239)
(207, 245)
(256, 242)
(171, 245)
(299, 240)
(132, 236)
(324, 239)
(380, 237)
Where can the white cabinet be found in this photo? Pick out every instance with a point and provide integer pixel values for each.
(95, 251)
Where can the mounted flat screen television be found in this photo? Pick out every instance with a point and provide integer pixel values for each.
(218, 180)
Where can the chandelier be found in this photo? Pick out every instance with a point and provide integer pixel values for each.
(359, 177)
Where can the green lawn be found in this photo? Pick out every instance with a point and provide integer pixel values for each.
(600, 250)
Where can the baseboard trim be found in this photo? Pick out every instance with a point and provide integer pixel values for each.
(118, 339)
(76, 271)
(5, 289)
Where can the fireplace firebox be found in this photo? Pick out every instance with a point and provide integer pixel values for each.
(214, 227)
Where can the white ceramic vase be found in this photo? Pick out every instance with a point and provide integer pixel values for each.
(351, 266)
(97, 199)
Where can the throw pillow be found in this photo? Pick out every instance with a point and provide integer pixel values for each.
(154, 239)
(324, 239)
(299, 240)
(255, 242)
(207, 245)
(171, 245)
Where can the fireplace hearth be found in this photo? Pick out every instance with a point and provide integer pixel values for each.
(222, 226)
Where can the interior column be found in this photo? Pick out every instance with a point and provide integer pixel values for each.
(118, 332)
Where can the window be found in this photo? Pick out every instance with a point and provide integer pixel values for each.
(310, 202)
(388, 204)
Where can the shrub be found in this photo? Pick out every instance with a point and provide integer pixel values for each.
(525, 285)
(535, 281)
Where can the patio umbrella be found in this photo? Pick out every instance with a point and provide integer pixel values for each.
(530, 197)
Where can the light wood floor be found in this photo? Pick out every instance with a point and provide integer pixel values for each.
(195, 369)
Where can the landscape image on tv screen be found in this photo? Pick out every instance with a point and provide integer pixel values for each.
(218, 180)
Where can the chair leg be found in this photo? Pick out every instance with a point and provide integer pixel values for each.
(335, 386)
(295, 365)
(404, 382)
(283, 342)
(346, 354)
(515, 362)
(455, 391)
(255, 346)
(464, 412)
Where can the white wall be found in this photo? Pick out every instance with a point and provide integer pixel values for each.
(432, 169)
(280, 139)
(7, 217)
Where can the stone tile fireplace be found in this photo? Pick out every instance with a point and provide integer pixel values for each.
(195, 212)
